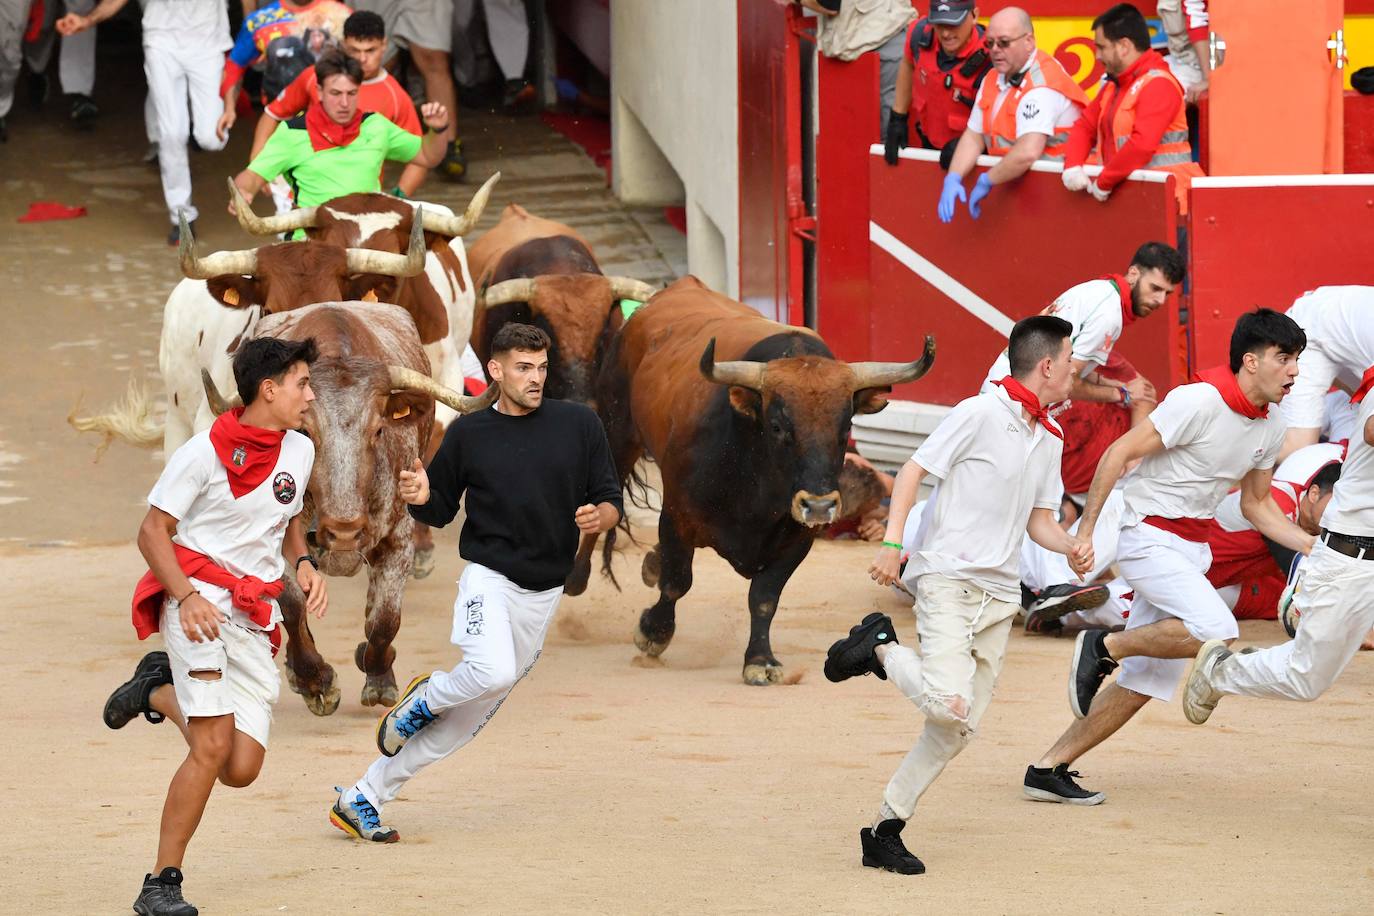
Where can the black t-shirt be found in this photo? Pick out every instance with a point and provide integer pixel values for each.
(524, 477)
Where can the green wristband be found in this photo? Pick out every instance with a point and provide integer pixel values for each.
(892, 545)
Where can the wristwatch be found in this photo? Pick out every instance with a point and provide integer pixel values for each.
(306, 558)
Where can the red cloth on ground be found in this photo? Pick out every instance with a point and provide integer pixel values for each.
(1224, 380)
(41, 211)
(590, 132)
(326, 133)
(1159, 101)
(1027, 399)
(250, 593)
(248, 453)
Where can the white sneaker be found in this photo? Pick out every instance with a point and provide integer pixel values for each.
(1199, 695)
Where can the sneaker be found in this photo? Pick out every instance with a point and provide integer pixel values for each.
(1056, 784)
(1043, 623)
(401, 722)
(883, 848)
(174, 237)
(39, 87)
(1288, 611)
(84, 112)
(1199, 696)
(1090, 666)
(454, 167)
(360, 820)
(854, 656)
(130, 699)
(161, 895)
(1058, 600)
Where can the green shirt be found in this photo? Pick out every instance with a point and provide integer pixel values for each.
(334, 172)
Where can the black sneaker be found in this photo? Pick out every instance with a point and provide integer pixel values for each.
(84, 112)
(1040, 623)
(1057, 784)
(1058, 600)
(854, 656)
(39, 87)
(1090, 666)
(454, 166)
(161, 895)
(130, 699)
(174, 236)
(883, 848)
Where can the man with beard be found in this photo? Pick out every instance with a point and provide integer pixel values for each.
(532, 474)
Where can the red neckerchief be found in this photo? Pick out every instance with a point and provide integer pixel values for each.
(1027, 399)
(1224, 380)
(326, 133)
(249, 593)
(248, 453)
(1366, 382)
(1123, 289)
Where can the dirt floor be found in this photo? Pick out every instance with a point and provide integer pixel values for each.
(606, 784)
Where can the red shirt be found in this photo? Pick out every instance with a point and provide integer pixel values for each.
(1159, 102)
(381, 94)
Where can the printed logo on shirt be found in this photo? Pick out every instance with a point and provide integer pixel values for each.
(239, 457)
(476, 621)
(1030, 110)
(1258, 454)
(284, 487)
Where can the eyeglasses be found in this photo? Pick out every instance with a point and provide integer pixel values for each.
(1004, 43)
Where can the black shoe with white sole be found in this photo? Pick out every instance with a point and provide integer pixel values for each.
(1090, 666)
(161, 895)
(883, 848)
(130, 699)
(1056, 784)
(1057, 600)
(854, 655)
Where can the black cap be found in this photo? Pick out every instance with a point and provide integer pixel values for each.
(949, 12)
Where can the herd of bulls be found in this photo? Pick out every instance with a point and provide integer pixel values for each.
(747, 419)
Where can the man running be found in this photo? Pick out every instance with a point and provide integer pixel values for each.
(1201, 441)
(997, 457)
(222, 525)
(532, 474)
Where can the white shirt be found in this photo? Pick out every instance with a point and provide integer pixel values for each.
(1351, 510)
(1094, 310)
(1043, 110)
(190, 25)
(1286, 494)
(993, 470)
(242, 535)
(1339, 321)
(1208, 448)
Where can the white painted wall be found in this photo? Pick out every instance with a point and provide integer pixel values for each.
(675, 122)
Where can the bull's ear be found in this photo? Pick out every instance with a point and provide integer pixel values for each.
(408, 408)
(235, 292)
(746, 402)
(871, 400)
(370, 288)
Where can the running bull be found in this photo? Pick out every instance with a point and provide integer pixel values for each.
(750, 446)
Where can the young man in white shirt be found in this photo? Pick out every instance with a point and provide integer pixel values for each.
(222, 526)
(1339, 323)
(1202, 440)
(997, 457)
(183, 57)
(1336, 599)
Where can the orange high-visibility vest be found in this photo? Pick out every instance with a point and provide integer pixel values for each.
(1174, 153)
(999, 130)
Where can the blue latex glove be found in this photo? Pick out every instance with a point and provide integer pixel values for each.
(952, 191)
(981, 188)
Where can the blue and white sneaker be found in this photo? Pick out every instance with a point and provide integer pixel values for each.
(401, 722)
(360, 820)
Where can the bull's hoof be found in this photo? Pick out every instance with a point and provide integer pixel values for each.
(291, 683)
(650, 647)
(651, 639)
(381, 691)
(576, 583)
(762, 675)
(422, 564)
(323, 703)
(652, 566)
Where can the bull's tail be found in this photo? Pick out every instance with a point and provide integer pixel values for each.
(608, 552)
(130, 421)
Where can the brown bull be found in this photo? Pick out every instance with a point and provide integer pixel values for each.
(536, 271)
(750, 448)
(371, 418)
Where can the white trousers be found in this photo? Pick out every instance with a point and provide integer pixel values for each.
(1336, 598)
(181, 80)
(76, 59)
(500, 627)
(1041, 568)
(1169, 577)
(14, 16)
(964, 633)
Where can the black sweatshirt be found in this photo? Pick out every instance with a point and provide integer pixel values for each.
(524, 477)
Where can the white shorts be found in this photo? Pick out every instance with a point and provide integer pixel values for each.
(248, 684)
(1304, 407)
(425, 23)
(1169, 577)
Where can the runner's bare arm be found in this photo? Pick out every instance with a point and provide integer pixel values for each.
(1046, 531)
(1142, 440)
(294, 549)
(199, 618)
(887, 563)
(1258, 506)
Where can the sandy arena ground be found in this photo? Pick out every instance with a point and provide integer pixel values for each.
(606, 784)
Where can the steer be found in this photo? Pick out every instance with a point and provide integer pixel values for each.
(371, 418)
(750, 448)
(536, 271)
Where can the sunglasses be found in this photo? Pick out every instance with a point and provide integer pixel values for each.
(1004, 43)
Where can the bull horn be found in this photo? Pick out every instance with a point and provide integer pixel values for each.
(369, 261)
(742, 372)
(630, 288)
(243, 262)
(301, 218)
(454, 226)
(521, 289)
(218, 404)
(880, 375)
(405, 379)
